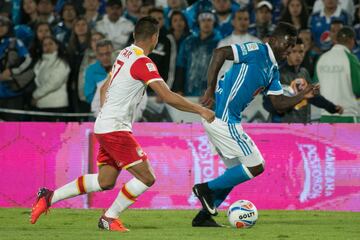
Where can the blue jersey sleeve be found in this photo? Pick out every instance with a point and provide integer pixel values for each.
(274, 87)
(245, 51)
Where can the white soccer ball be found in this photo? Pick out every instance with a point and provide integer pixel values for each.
(242, 214)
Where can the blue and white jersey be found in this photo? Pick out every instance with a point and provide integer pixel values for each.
(320, 26)
(254, 70)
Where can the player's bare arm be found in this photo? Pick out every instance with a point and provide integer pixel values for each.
(282, 103)
(179, 102)
(104, 89)
(218, 59)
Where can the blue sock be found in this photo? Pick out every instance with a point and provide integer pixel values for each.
(220, 196)
(230, 178)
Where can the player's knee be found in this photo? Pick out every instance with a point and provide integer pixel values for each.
(257, 170)
(106, 185)
(149, 181)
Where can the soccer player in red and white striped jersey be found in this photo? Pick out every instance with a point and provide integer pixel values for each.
(132, 72)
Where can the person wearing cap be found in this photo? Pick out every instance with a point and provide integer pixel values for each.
(263, 26)
(114, 25)
(340, 79)
(320, 23)
(194, 57)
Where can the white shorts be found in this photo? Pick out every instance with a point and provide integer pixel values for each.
(232, 144)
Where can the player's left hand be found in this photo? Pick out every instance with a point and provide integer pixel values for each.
(208, 99)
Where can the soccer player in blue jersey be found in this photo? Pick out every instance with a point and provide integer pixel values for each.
(254, 70)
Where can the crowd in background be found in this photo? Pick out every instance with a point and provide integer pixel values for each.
(54, 55)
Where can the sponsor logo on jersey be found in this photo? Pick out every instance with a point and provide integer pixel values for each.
(151, 67)
(252, 47)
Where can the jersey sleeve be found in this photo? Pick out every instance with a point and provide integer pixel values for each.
(275, 87)
(243, 51)
(145, 70)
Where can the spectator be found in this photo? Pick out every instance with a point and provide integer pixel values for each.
(320, 23)
(346, 5)
(338, 72)
(357, 14)
(98, 71)
(263, 26)
(145, 9)
(293, 79)
(52, 72)
(335, 26)
(179, 30)
(240, 34)
(79, 42)
(311, 56)
(45, 10)
(191, 69)
(193, 11)
(162, 53)
(115, 26)
(42, 30)
(173, 5)
(296, 13)
(30, 15)
(225, 11)
(80, 104)
(91, 12)
(5, 9)
(63, 30)
(15, 74)
(132, 12)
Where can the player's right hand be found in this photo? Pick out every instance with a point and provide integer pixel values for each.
(208, 99)
(311, 90)
(207, 114)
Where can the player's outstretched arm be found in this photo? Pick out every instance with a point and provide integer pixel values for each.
(180, 103)
(282, 103)
(218, 59)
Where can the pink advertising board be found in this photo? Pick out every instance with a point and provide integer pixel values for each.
(307, 167)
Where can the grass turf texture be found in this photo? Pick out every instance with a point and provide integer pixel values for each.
(176, 224)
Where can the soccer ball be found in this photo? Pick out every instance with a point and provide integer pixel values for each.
(242, 214)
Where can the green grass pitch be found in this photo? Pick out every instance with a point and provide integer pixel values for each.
(176, 224)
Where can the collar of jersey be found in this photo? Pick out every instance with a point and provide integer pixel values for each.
(336, 13)
(138, 50)
(271, 55)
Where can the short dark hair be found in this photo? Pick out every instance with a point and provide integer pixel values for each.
(145, 28)
(283, 29)
(299, 41)
(114, 2)
(156, 9)
(337, 21)
(103, 43)
(345, 34)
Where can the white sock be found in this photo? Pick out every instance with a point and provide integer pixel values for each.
(126, 197)
(84, 184)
